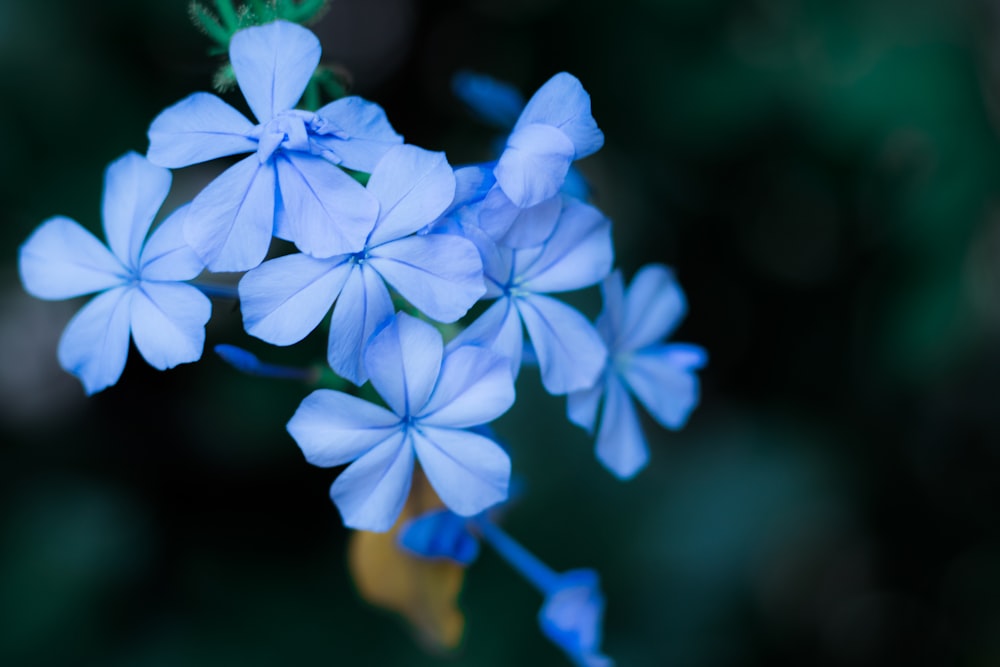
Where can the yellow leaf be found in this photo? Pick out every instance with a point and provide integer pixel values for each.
(423, 591)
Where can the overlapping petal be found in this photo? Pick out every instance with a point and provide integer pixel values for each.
(94, 345)
(328, 212)
(283, 299)
(468, 471)
(364, 304)
(533, 166)
(570, 352)
(168, 322)
(134, 189)
(563, 103)
(361, 133)
(577, 254)
(653, 308)
(167, 255)
(61, 260)
(371, 492)
(199, 128)
(333, 428)
(413, 187)
(475, 386)
(273, 63)
(403, 361)
(581, 406)
(229, 223)
(498, 329)
(440, 274)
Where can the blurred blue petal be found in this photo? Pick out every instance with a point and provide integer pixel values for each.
(273, 63)
(199, 128)
(440, 534)
(495, 102)
(663, 378)
(134, 189)
(468, 471)
(572, 618)
(621, 445)
(61, 260)
(283, 299)
(653, 308)
(570, 352)
(582, 405)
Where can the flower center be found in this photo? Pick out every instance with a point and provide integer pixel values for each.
(289, 130)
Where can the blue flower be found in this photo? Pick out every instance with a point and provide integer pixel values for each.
(290, 186)
(441, 274)
(573, 615)
(432, 398)
(578, 253)
(440, 534)
(662, 376)
(141, 293)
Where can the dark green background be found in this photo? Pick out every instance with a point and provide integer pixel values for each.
(823, 175)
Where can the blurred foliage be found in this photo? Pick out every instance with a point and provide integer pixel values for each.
(823, 175)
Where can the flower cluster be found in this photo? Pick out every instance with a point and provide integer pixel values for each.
(392, 239)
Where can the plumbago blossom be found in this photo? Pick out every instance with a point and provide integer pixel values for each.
(139, 281)
(292, 173)
(514, 231)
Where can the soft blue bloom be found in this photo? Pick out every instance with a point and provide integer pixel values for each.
(290, 186)
(496, 102)
(139, 280)
(569, 350)
(441, 274)
(634, 324)
(432, 399)
(573, 616)
(441, 534)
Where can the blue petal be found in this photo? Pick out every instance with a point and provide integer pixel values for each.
(440, 534)
(533, 166)
(362, 133)
(534, 225)
(664, 380)
(498, 329)
(61, 260)
(442, 275)
(403, 361)
(134, 189)
(283, 299)
(332, 428)
(572, 618)
(472, 182)
(167, 255)
(168, 323)
(94, 345)
(364, 304)
(273, 63)
(581, 406)
(577, 254)
(475, 386)
(413, 187)
(327, 212)
(654, 306)
(370, 494)
(468, 471)
(229, 223)
(621, 445)
(612, 316)
(570, 352)
(199, 128)
(494, 101)
(563, 103)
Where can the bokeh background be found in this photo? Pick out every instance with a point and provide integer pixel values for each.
(824, 176)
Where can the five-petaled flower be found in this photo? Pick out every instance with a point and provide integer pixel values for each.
(432, 398)
(140, 282)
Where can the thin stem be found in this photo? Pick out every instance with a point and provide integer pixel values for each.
(538, 573)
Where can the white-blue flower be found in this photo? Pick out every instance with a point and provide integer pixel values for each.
(662, 376)
(290, 187)
(432, 399)
(140, 281)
